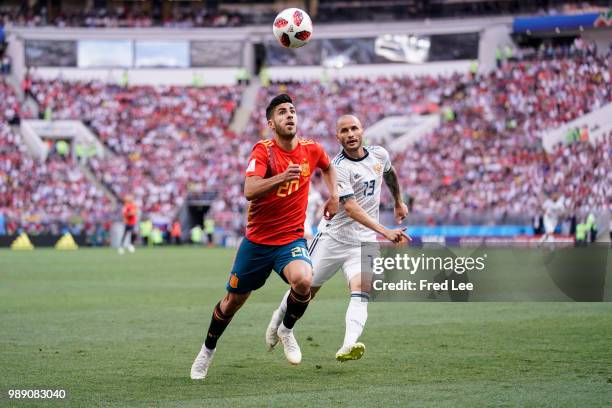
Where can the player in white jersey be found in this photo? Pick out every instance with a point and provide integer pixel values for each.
(360, 173)
(554, 207)
(315, 207)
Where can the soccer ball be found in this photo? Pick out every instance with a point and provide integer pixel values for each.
(292, 28)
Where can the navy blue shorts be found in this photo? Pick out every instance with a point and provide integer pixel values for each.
(254, 262)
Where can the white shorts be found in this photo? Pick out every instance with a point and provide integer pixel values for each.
(328, 256)
(550, 224)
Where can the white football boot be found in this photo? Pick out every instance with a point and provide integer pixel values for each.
(350, 352)
(271, 331)
(292, 349)
(200, 365)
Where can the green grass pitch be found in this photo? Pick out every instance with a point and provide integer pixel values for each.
(119, 331)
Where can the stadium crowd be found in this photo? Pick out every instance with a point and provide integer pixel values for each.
(44, 196)
(163, 142)
(582, 173)
(119, 17)
(133, 14)
(485, 163)
(489, 159)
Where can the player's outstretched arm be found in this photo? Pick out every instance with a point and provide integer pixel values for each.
(392, 181)
(256, 186)
(333, 203)
(354, 210)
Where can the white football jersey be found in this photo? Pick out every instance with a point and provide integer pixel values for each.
(315, 200)
(554, 209)
(363, 180)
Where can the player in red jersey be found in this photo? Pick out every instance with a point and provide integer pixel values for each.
(130, 215)
(277, 183)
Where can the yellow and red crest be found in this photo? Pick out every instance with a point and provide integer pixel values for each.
(233, 282)
(305, 169)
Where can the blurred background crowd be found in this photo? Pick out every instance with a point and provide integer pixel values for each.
(485, 160)
(484, 164)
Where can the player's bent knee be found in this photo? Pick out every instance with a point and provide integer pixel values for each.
(302, 284)
(298, 271)
(299, 276)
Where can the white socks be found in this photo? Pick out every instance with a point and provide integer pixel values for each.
(282, 330)
(282, 308)
(356, 316)
(127, 240)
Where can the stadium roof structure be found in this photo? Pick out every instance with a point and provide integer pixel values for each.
(564, 22)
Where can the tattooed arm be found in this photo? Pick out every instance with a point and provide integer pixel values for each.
(391, 180)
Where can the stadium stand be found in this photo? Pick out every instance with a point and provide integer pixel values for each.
(39, 197)
(120, 18)
(486, 163)
(238, 13)
(166, 140)
(497, 164)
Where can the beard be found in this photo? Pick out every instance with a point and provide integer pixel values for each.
(283, 132)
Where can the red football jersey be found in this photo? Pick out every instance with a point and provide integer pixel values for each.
(130, 211)
(277, 218)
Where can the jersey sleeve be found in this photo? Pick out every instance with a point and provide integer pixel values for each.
(384, 154)
(258, 161)
(345, 188)
(322, 157)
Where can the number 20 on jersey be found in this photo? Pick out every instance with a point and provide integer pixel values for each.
(288, 188)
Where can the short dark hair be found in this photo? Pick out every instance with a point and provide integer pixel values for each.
(277, 100)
